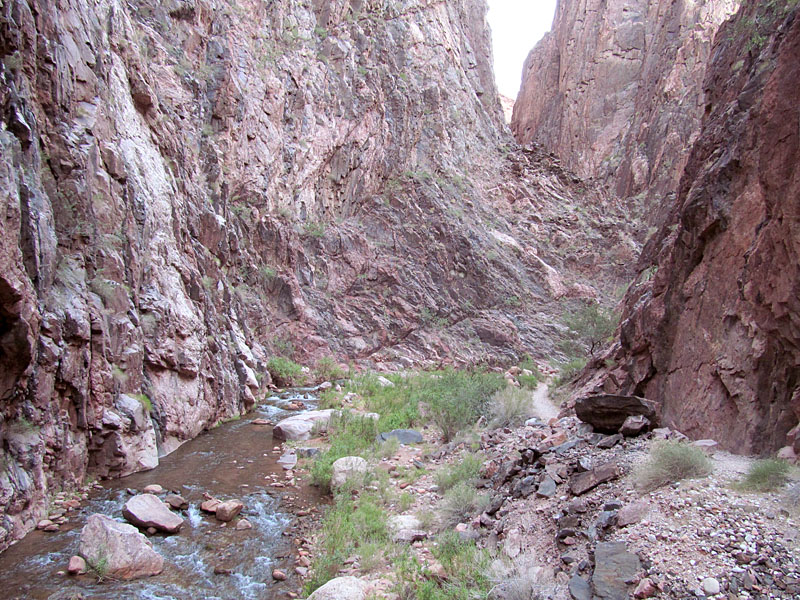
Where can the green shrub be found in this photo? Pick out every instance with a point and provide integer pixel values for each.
(670, 462)
(569, 371)
(465, 470)
(327, 369)
(285, 372)
(145, 401)
(397, 406)
(456, 399)
(591, 325)
(349, 435)
(510, 407)
(349, 527)
(530, 382)
(766, 475)
(461, 503)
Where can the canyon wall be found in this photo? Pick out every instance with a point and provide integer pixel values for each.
(710, 327)
(615, 90)
(192, 187)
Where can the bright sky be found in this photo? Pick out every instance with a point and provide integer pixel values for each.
(516, 27)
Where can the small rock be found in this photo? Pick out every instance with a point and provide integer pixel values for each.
(579, 588)
(278, 575)
(243, 524)
(147, 510)
(348, 468)
(404, 436)
(634, 425)
(645, 589)
(707, 446)
(583, 482)
(341, 588)
(710, 586)
(226, 511)
(77, 566)
(210, 505)
(153, 488)
(43, 524)
(383, 382)
(177, 502)
(632, 513)
(609, 441)
(547, 488)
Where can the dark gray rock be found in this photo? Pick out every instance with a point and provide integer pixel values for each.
(614, 568)
(579, 588)
(583, 482)
(547, 488)
(609, 441)
(404, 436)
(607, 413)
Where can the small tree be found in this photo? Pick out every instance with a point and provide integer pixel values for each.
(591, 325)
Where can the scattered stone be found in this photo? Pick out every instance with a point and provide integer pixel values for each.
(288, 460)
(77, 565)
(546, 489)
(707, 446)
(635, 425)
(44, 524)
(710, 586)
(579, 588)
(242, 524)
(513, 543)
(210, 505)
(583, 482)
(609, 441)
(308, 452)
(409, 536)
(607, 413)
(341, 588)
(383, 382)
(177, 502)
(147, 510)
(278, 575)
(120, 548)
(348, 468)
(261, 422)
(153, 488)
(632, 513)
(226, 511)
(645, 589)
(614, 568)
(404, 436)
(400, 522)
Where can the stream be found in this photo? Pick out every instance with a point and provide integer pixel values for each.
(234, 460)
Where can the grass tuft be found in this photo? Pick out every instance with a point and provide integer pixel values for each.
(766, 475)
(285, 372)
(465, 470)
(461, 503)
(510, 407)
(670, 462)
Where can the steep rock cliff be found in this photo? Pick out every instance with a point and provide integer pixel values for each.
(710, 328)
(190, 187)
(615, 90)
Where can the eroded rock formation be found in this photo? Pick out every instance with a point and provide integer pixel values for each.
(710, 328)
(190, 187)
(615, 90)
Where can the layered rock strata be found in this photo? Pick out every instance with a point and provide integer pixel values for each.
(615, 90)
(191, 187)
(710, 327)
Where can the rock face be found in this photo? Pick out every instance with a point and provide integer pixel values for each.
(118, 549)
(189, 187)
(615, 90)
(147, 510)
(709, 328)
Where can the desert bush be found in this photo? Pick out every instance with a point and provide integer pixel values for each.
(285, 372)
(456, 399)
(591, 325)
(530, 382)
(465, 470)
(327, 369)
(670, 462)
(509, 407)
(461, 503)
(569, 370)
(766, 475)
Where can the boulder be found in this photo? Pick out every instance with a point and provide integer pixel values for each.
(226, 511)
(614, 568)
(118, 549)
(147, 510)
(607, 412)
(348, 468)
(299, 427)
(404, 436)
(583, 482)
(579, 588)
(341, 588)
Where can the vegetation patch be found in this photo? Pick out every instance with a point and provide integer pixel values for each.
(349, 435)
(670, 462)
(510, 407)
(465, 470)
(285, 372)
(766, 475)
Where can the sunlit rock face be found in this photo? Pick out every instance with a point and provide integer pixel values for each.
(616, 91)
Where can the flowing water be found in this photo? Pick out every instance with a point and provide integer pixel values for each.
(235, 460)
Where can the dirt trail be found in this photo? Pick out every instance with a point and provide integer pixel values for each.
(542, 406)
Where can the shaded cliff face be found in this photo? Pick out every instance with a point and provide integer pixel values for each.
(191, 187)
(710, 327)
(615, 90)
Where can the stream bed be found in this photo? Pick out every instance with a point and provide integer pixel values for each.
(234, 460)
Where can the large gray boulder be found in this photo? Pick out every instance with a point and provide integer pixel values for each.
(299, 427)
(404, 436)
(341, 588)
(147, 510)
(118, 550)
(607, 412)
